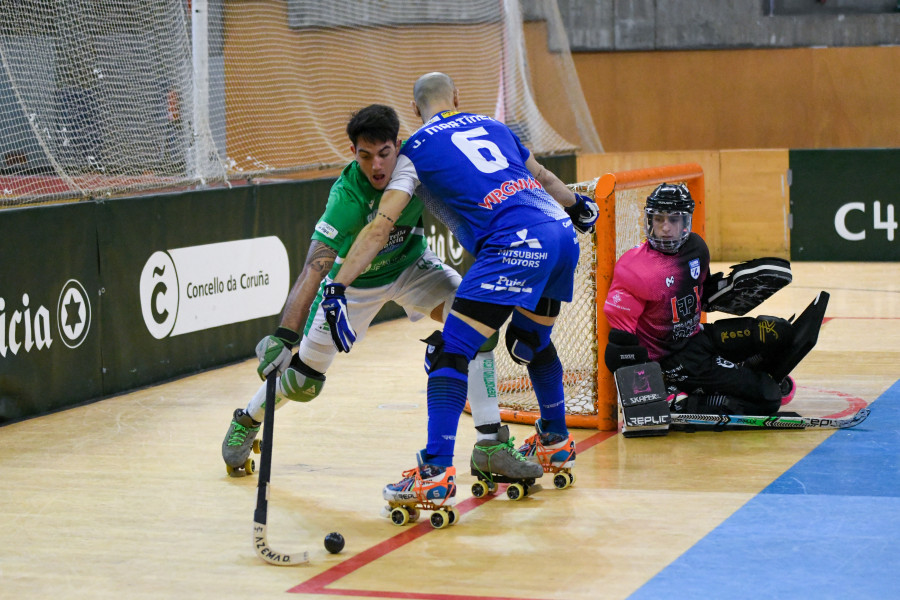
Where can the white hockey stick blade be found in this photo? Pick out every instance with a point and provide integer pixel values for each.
(271, 556)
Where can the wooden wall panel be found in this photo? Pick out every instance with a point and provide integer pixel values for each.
(747, 196)
(738, 99)
(753, 204)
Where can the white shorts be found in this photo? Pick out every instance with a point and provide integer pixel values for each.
(421, 287)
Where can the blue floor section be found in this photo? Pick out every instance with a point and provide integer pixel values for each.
(828, 528)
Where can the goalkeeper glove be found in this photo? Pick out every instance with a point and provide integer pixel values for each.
(274, 351)
(335, 307)
(583, 213)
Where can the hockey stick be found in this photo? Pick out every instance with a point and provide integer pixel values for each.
(260, 541)
(772, 422)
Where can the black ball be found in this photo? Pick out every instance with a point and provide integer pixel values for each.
(334, 542)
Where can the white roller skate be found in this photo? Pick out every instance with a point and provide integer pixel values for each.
(497, 461)
(428, 487)
(238, 443)
(553, 452)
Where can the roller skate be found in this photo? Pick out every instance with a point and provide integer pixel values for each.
(238, 443)
(429, 487)
(497, 461)
(554, 453)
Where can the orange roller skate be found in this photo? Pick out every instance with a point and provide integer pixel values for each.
(429, 487)
(554, 452)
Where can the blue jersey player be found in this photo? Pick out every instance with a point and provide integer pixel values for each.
(519, 221)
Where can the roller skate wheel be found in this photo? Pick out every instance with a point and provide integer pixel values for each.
(571, 478)
(561, 481)
(250, 466)
(400, 516)
(454, 515)
(256, 446)
(479, 489)
(515, 491)
(413, 514)
(439, 519)
(232, 471)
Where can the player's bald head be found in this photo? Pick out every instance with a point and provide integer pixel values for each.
(434, 92)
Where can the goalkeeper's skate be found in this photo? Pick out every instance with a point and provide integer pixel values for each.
(238, 443)
(554, 453)
(497, 461)
(788, 389)
(429, 487)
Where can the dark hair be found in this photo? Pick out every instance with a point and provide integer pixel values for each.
(374, 123)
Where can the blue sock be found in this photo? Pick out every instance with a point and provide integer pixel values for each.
(546, 377)
(447, 388)
(548, 387)
(446, 400)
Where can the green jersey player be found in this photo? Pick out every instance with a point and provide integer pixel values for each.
(404, 270)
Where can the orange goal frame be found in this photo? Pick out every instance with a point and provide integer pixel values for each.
(691, 174)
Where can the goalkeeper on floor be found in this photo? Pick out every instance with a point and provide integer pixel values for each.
(733, 366)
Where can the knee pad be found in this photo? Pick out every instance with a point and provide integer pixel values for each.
(434, 348)
(436, 358)
(301, 383)
(528, 342)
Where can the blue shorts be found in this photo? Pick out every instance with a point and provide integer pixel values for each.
(518, 268)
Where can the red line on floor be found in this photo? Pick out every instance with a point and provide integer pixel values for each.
(317, 584)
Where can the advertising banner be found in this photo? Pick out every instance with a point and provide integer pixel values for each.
(845, 205)
(50, 344)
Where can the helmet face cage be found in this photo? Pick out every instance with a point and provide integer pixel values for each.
(668, 246)
(670, 200)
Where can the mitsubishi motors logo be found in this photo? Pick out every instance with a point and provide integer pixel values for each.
(524, 239)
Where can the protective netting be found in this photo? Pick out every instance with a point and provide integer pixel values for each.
(575, 331)
(103, 98)
(92, 99)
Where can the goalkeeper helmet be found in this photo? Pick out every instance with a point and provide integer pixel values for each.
(668, 217)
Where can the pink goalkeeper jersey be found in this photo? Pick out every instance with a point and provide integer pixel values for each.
(656, 296)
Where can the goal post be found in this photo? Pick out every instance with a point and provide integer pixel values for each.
(581, 331)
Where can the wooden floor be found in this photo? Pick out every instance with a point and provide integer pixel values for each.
(128, 497)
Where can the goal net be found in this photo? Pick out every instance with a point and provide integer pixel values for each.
(581, 331)
(107, 98)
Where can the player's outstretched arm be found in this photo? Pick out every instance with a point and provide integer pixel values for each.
(367, 245)
(581, 209)
(372, 238)
(275, 351)
(553, 184)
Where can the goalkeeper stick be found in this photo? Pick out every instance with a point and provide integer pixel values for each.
(262, 495)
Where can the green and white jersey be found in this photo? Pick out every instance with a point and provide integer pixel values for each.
(352, 204)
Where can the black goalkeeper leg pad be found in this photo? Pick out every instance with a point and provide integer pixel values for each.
(642, 397)
(806, 334)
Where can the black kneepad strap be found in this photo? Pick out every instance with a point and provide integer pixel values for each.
(455, 361)
(522, 347)
(545, 356)
(304, 368)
